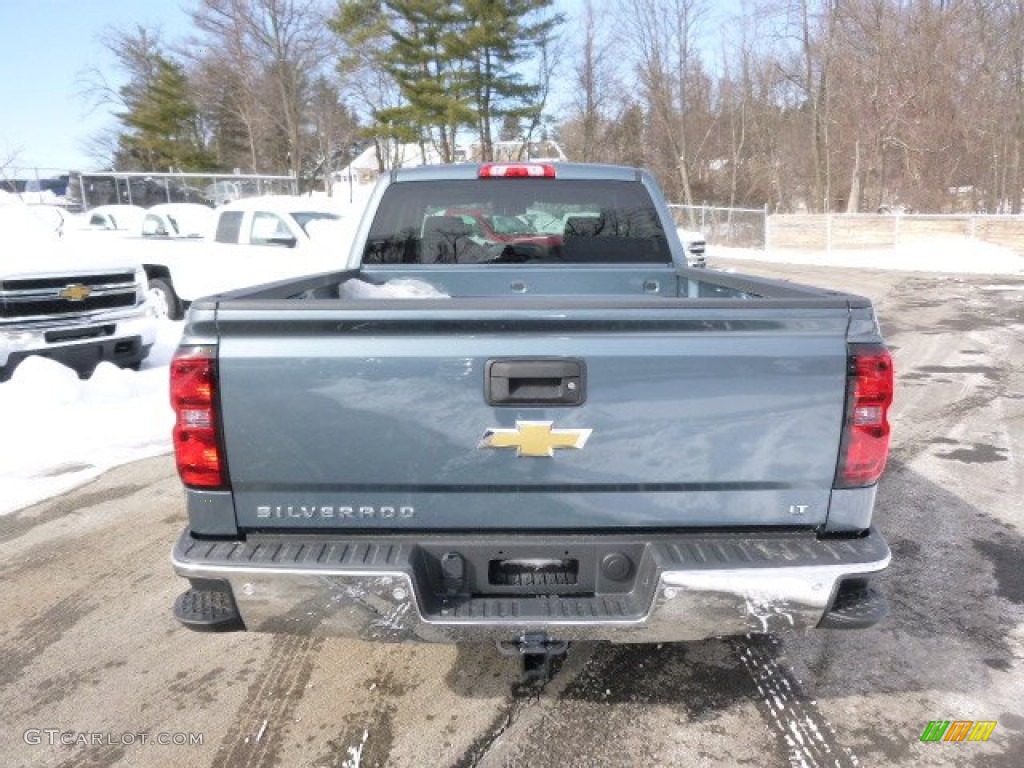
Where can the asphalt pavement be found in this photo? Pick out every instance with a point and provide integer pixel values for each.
(94, 671)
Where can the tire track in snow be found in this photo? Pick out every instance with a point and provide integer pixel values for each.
(806, 735)
(256, 735)
(24, 645)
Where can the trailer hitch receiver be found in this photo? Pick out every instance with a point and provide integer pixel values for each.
(536, 652)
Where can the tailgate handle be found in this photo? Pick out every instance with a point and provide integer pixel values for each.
(535, 382)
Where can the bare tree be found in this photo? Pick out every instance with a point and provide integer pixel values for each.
(271, 50)
(136, 52)
(816, 19)
(550, 56)
(735, 103)
(8, 160)
(102, 147)
(229, 79)
(662, 33)
(1001, 27)
(334, 132)
(814, 104)
(595, 87)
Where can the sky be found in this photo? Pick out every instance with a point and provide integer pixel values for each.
(46, 46)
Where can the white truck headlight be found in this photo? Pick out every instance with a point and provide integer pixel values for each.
(141, 285)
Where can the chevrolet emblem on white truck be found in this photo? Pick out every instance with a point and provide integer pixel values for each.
(535, 438)
(75, 292)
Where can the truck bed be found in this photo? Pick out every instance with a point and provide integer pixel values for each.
(599, 285)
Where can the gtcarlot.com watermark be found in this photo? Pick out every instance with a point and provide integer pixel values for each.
(57, 737)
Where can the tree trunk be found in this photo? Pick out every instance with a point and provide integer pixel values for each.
(853, 204)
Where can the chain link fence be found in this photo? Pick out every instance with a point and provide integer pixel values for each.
(858, 231)
(88, 190)
(733, 227)
(83, 190)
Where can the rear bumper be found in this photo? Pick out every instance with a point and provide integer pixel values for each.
(682, 587)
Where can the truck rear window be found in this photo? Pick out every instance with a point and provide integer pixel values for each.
(228, 227)
(507, 221)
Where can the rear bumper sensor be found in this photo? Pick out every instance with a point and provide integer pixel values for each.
(627, 588)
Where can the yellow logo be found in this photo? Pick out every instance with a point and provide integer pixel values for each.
(76, 292)
(535, 438)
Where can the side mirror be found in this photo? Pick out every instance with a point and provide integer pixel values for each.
(285, 240)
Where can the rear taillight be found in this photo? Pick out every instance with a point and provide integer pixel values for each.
(193, 396)
(865, 443)
(516, 170)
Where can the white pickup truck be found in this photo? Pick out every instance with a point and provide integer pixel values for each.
(66, 301)
(177, 220)
(251, 241)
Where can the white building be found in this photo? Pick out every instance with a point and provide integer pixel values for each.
(366, 167)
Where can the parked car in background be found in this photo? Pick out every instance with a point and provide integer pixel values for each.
(277, 220)
(532, 233)
(251, 241)
(221, 192)
(174, 220)
(695, 246)
(123, 218)
(499, 228)
(57, 300)
(55, 219)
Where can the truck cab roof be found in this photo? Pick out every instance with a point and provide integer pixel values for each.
(578, 171)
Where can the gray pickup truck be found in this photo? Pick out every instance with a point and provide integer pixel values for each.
(563, 434)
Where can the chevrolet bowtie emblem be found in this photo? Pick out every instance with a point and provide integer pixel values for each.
(76, 292)
(535, 438)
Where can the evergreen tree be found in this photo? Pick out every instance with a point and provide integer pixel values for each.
(498, 38)
(229, 136)
(163, 123)
(419, 62)
(456, 64)
(406, 41)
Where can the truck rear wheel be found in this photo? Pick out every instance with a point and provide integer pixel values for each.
(164, 299)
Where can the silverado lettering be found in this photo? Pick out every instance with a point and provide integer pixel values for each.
(349, 512)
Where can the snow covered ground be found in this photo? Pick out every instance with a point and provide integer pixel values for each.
(60, 432)
(961, 255)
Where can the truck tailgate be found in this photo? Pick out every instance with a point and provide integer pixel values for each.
(690, 417)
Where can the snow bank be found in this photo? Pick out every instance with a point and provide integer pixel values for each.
(961, 255)
(61, 432)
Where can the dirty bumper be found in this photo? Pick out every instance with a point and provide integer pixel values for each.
(629, 589)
